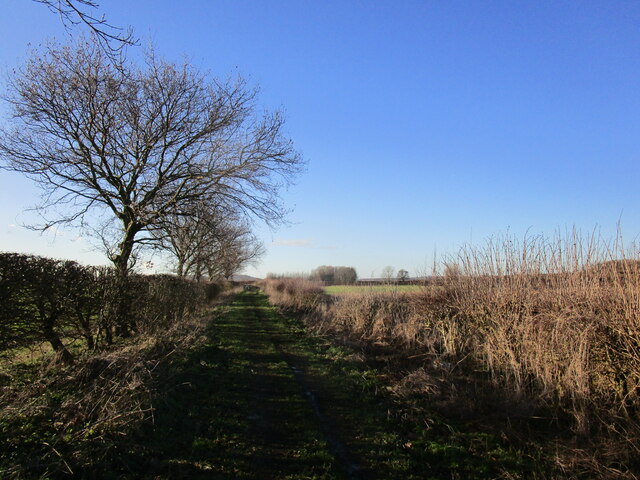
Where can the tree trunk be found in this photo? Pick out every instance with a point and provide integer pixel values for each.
(122, 308)
(180, 267)
(121, 261)
(198, 272)
(85, 328)
(91, 344)
(122, 298)
(212, 273)
(108, 334)
(54, 339)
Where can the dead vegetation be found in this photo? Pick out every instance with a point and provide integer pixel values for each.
(57, 419)
(543, 333)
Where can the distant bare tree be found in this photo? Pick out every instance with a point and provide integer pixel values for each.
(76, 12)
(137, 145)
(237, 249)
(345, 276)
(388, 273)
(186, 236)
(331, 275)
(325, 273)
(208, 239)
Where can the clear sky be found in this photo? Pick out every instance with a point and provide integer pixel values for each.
(425, 124)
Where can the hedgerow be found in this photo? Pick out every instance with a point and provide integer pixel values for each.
(63, 302)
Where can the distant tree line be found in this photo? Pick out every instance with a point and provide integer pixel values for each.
(330, 275)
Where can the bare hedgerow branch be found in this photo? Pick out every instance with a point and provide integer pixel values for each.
(75, 12)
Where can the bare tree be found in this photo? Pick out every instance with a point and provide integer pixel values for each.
(346, 276)
(388, 273)
(325, 274)
(331, 275)
(101, 135)
(237, 249)
(186, 236)
(208, 238)
(76, 12)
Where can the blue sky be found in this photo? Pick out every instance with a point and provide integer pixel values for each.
(425, 124)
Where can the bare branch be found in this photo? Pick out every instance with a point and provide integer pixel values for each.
(146, 144)
(75, 12)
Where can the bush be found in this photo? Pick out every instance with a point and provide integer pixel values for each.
(40, 296)
(163, 300)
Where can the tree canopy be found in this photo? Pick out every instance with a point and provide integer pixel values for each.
(331, 275)
(134, 145)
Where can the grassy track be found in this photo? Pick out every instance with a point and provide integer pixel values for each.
(260, 399)
(264, 405)
(267, 401)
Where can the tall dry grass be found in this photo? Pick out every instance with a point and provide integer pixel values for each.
(554, 323)
(295, 293)
(561, 316)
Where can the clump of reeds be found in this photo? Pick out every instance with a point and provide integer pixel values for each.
(557, 318)
(378, 317)
(295, 292)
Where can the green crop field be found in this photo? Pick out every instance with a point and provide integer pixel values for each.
(366, 289)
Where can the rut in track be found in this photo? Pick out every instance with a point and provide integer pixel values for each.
(257, 400)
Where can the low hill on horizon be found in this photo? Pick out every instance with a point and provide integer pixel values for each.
(244, 278)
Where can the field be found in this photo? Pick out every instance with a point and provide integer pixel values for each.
(339, 290)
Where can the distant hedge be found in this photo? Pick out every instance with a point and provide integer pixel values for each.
(60, 301)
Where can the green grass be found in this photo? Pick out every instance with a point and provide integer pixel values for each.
(258, 397)
(391, 441)
(370, 289)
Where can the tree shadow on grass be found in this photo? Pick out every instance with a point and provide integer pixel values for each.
(227, 409)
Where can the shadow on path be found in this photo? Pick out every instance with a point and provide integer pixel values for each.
(257, 401)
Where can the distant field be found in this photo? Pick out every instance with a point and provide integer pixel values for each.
(358, 289)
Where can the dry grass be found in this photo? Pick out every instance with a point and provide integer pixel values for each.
(551, 324)
(295, 293)
(63, 416)
(560, 318)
